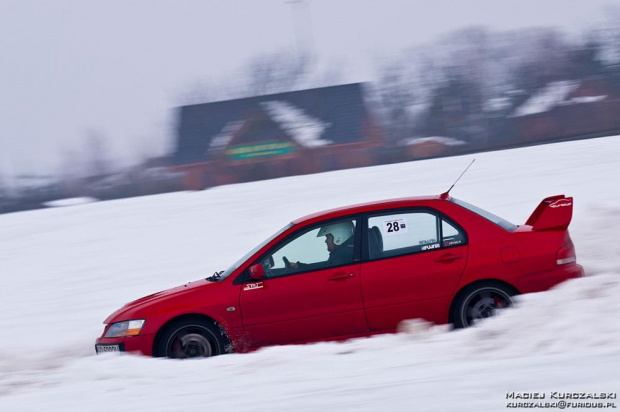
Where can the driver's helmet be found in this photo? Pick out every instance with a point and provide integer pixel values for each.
(341, 231)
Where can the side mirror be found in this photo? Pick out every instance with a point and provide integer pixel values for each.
(257, 272)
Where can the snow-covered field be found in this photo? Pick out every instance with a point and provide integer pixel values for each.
(63, 270)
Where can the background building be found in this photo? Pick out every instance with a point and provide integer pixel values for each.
(275, 135)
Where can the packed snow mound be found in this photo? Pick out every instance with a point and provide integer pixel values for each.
(578, 314)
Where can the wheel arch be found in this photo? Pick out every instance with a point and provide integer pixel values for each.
(187, 316)
(488, 282)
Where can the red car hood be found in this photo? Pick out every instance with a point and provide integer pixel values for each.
(125, 312)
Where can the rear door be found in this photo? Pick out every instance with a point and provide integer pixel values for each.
(316, 300)
(413, 261)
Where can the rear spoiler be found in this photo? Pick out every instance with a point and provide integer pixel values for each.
(554, 212)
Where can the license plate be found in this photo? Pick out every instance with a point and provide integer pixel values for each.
(107, 348)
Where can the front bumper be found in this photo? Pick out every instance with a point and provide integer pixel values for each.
(141, 344)
(109, 348)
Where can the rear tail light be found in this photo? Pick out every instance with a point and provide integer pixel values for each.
(566, 254)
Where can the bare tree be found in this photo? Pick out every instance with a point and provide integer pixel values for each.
(204, 91)
(3, 195)
(263, 74)
(78, 165)
(275, 73)
(609, 34)
(71, 173)
(539, 58)
(97, 158)
(398, 90)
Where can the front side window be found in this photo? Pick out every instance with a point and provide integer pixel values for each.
(245, 257)
(329, 245)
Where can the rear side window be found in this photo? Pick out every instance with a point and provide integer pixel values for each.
(504, 224)
(401, 234)
(398, 234)
(451, 236)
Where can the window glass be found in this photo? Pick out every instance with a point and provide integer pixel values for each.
(487, 215)
(451, 236)
(322, 247)
(245, 257)
(448, 230)
(400, 234)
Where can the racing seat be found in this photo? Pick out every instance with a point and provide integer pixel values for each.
(375, 243)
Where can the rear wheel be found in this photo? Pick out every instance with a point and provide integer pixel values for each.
(479, 302)
(192, 338)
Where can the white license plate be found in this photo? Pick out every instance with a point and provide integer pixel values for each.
(107, 348)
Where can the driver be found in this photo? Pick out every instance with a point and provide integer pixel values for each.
(339, 240)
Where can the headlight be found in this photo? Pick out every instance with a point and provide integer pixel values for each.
(126, 328)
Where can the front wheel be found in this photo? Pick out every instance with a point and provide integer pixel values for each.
(192, 338)
(479, 302)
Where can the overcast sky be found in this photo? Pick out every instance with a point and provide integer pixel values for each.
(118, 67)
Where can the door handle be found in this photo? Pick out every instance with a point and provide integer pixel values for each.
(448, 258)
(341, 276)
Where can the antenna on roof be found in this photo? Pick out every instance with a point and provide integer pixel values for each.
(445, 194)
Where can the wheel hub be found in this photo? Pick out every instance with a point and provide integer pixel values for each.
(484, 304)
(192, 345)
(484, 308)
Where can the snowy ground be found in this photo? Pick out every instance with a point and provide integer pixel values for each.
(64, 270)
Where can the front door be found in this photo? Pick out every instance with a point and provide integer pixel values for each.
(310, 292)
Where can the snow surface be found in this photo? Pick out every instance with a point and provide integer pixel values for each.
(555, 94)
(497, 103)
(74, 201)
(549, 97)
(65, 269)
(228, 132)
(586, 99)
(448, 141)
(303, 128)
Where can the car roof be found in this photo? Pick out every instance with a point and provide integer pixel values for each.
(366, 207)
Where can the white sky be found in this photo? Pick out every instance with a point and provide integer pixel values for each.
(118, 67)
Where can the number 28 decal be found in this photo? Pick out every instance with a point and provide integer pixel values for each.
(395, 227)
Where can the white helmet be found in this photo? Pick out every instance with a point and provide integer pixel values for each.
(341, 232)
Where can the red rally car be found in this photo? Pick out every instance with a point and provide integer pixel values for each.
(355, 271)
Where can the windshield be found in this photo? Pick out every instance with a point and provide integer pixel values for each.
(245, 257)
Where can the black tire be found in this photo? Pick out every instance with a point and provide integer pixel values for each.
(192, 338)
(480, 301)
